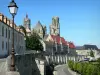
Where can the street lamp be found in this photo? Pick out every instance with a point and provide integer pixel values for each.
(13, 11)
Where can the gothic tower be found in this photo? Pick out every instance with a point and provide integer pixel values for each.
(55, 26)
(27, 22)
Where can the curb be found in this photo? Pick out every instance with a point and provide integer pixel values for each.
(72, 72)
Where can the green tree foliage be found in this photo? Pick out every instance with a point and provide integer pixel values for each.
(85, 68)
(89, 69)
(85, 65)
(75, 66)
(33, 42)
(24, 30)
(91, 53)
(70, 64)
(98, 63)
(79, 67)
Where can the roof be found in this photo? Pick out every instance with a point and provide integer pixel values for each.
(90, 47)
(71, 45)
(87, 47)
(60, 40)
(38, 25)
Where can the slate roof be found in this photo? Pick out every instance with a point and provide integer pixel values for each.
(38, 25)
(87, 47)
(91, 47)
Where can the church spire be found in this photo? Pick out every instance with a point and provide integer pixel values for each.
(26, 15)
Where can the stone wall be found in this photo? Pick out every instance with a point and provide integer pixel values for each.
(26, 65)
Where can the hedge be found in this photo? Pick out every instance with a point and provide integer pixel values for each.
(84, 68)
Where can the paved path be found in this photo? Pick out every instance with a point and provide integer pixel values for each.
(62, 70)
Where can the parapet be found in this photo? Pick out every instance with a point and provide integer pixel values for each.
(8, 22)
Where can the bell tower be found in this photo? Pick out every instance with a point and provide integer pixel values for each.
(55, 26)
(27, 23)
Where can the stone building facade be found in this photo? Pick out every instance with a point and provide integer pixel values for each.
(40, 29)
(6, 37)
(52, 42)
(86, 49)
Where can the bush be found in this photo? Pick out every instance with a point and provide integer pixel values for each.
(95, 70)
(70, 64)
(89, 69)
(84, 68)
(85, 65)
(75, 66)
(79, 68)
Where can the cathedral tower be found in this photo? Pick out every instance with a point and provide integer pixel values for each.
(27, 22)
(55, 26)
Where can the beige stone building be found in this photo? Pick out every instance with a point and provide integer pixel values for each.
(84, 51)
(6, 37)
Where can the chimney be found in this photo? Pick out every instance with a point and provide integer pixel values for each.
(5, 19)
(1, 17)
(8, 22)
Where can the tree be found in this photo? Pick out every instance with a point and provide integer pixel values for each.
(33, 42)
(91, 53)
(23, 29)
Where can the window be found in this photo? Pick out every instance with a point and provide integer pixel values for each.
(6, 45)
(2, 45)
(2, 30)
(6, 32)
(9, 34)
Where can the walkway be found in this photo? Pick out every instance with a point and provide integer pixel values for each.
(62, 70)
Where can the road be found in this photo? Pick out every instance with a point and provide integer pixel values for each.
(62, 70)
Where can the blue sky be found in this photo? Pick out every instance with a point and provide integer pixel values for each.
(79, 19)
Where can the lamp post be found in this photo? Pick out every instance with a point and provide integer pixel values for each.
(13, 11)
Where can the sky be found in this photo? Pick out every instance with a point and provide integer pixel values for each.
(79, 19)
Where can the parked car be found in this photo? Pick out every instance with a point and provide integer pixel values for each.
(86, 59)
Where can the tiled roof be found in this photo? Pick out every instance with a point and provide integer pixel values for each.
(60, 40)
(71, 45)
